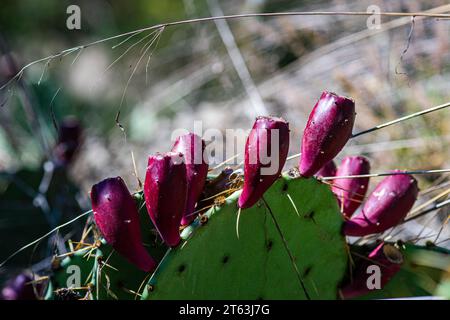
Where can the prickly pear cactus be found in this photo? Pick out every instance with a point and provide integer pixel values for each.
(288, 246)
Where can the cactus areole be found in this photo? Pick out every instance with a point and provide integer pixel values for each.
(165, 191)
(266, 151)
(386, 206)
(192, 146)
(351, 192)
(116, 216)
(328, 129)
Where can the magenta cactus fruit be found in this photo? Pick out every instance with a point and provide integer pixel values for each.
(165, 191)
(328, 129)
(385, 256)
(192, 147)
(117, 218)
(266, 151)
(328, 170)
(385, 207)
(351, 192)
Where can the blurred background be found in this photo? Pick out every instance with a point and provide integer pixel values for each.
(223, 74)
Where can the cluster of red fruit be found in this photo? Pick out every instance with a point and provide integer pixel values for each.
(174, 181)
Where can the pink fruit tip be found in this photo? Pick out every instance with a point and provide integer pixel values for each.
(270, 119)
(338, 97)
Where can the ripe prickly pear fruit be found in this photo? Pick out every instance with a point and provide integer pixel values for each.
(165, 191)
(385, 207)
(351, 192)
(328, 170)
(385, 256)
(328, 129)
(192, 146)
(117, 218)
(266, 151)
(21, 288)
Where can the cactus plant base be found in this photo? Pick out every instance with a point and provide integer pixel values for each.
(279, 251)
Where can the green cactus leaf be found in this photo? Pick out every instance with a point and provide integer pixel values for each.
(277, 250)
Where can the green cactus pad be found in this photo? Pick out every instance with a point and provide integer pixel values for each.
(270, 259)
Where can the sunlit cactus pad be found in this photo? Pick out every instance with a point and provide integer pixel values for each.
(212, 262)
